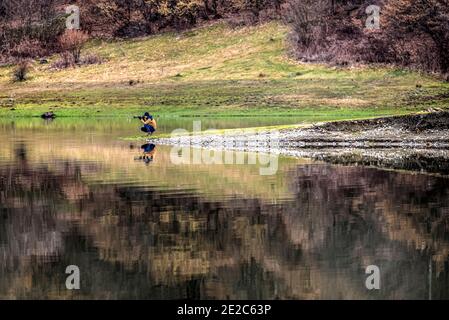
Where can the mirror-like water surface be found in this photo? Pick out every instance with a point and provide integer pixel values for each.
(71, 193)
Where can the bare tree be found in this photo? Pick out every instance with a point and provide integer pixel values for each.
(429, 17)
(307, 19)
(73, 42)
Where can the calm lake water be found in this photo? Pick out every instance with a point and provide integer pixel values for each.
(72, 193)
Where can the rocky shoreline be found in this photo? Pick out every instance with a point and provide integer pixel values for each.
(417, 142)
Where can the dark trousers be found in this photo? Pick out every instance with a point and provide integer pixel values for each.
(148, 129)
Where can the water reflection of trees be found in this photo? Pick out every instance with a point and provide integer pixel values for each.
(135, 242)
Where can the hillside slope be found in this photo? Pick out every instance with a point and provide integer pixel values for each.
(216, 70)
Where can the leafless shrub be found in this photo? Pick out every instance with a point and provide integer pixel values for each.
(65, 60)
(426, 20)
(73, 42)
(28, 28)
(27, 48)
(307, 19)
(334, 32)
(91, 59)
(241, 20)
(20, 72)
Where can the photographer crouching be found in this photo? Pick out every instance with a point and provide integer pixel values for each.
(149, 123)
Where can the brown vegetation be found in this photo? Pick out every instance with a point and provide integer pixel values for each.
(72, 41)
(131, 18)
(35, 28)
(412, 33)
(21, 71)
(423, 27)
(66, 60)
(29, 28)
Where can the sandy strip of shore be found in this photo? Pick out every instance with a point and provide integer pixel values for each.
(414, 142)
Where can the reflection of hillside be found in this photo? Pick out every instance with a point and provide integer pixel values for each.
(332, 220)
(405, 207)
(114, 163)
(379, 216)
(138, 241)
(31, 229)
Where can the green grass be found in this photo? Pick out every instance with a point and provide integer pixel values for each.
(216, 71)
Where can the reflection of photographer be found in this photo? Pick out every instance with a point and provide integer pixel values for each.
(149, 123)
(149, 150)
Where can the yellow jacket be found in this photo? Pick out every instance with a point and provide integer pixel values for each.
(151, 123)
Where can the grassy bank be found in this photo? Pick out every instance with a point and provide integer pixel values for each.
(216, 71)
